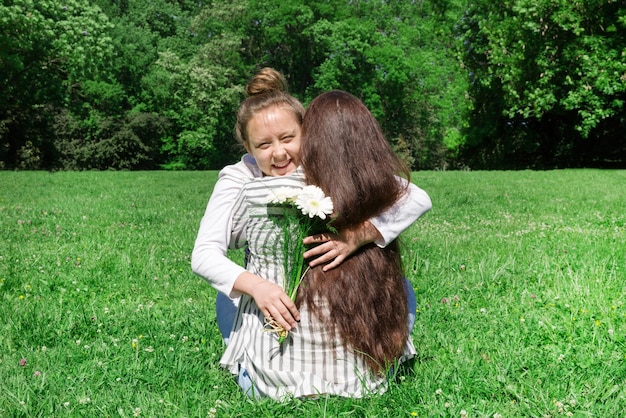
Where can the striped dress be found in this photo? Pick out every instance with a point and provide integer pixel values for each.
(311, 362)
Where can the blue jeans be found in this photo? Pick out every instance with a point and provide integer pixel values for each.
(225, 310)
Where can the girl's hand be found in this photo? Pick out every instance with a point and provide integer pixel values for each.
(270, 298)
(274, 303)
(334, 248)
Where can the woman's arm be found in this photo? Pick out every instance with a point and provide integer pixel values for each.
(401, 215)
(334, 248)
(208, 258)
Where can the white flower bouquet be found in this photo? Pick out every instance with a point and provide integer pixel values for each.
(306, 212)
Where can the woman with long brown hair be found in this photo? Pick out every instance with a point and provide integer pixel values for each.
(345, 153)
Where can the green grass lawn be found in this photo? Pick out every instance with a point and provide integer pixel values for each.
(520, 282)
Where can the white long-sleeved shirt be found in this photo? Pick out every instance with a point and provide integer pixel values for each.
(209, 259)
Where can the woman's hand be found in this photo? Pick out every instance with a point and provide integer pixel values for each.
(270, 298)
(334, 248)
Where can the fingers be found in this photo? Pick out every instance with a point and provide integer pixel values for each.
(274, 303)
(283, 316)
(317, 239)
(337, 261)
(321, 254)
(333, 252)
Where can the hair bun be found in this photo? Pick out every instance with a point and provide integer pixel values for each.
(266, 80)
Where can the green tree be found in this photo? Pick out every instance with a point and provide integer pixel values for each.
(156, 83)
(200, 92)
(112, 121)
(548, 82)
(387, 53)
(47, 48)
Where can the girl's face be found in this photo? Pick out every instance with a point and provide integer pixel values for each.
(274, 141)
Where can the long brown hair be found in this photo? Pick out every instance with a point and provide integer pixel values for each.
(345, 153)
(265, 89)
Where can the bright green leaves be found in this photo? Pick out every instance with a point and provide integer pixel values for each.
(553, 56)
(69, 36)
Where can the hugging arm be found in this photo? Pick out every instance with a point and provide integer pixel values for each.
(334, 248)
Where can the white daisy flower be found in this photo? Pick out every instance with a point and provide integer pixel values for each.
(282, 195)
(313, 202)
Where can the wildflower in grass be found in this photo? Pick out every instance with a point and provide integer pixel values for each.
(559, 406)
(444, 300)
(134, 343)
(413, 414)
(37, 373)
(23, 362)
(463, 413)
(136, 412)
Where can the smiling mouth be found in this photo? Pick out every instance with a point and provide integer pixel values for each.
(283, 165)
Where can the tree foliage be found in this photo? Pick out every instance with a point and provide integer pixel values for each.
(393, 55)
(548, 81)
(46, 49)
(148, 84)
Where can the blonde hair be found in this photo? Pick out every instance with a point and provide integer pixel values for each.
(267, 88)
